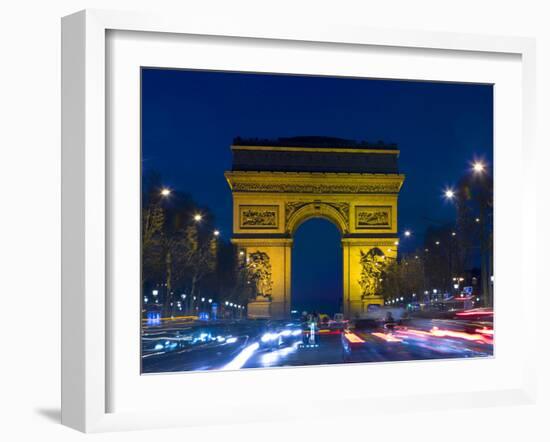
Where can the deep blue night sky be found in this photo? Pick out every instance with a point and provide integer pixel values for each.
(189, 119)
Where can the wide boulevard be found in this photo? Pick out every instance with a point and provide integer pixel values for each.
(190, 345)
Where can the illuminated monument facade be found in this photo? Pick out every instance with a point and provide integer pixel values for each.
(279, 184)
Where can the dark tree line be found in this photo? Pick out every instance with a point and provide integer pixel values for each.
(182, 252)
(450, 251)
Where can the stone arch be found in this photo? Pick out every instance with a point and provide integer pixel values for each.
(276, 187)
(317, 210)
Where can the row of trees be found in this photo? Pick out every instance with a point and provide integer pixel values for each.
(182, 252)
(450, 250)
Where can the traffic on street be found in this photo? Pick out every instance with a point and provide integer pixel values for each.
(189, 344)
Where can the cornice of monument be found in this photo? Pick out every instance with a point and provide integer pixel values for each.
(313, 182)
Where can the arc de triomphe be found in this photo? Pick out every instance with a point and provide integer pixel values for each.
(279, 184)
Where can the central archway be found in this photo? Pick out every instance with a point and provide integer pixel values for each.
(316, 276)
(298, 212)
(278, 185)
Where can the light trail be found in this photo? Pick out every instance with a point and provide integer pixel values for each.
(387, 337)
(480, 336)
(475, 313)
(272, 357)
(242, 357)
(353, 338)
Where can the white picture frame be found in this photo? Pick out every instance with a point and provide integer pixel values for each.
(86, 211)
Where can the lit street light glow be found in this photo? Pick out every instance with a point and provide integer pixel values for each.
(478, 167)
(407, 233)
(165, 192)
(449, 194)
(216, 233)
(197, 217)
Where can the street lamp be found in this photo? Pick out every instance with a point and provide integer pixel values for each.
(216, 233)
(407, 233)
(197, 217)
(165, 192)
(449, 194)
(478, 167)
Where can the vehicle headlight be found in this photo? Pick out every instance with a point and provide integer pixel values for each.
(269, 337)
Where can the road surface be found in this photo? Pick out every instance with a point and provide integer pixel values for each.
(173, 346)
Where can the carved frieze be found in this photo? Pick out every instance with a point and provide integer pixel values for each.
(259, 217)
(373, 217)
(316, 188)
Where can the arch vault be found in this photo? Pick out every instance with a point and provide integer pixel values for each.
(279, 184)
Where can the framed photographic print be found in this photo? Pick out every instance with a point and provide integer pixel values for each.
(251, 212)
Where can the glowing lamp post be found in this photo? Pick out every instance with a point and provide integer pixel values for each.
(449, 194)
(478, 167)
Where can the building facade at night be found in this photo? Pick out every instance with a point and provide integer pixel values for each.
(279, 184)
